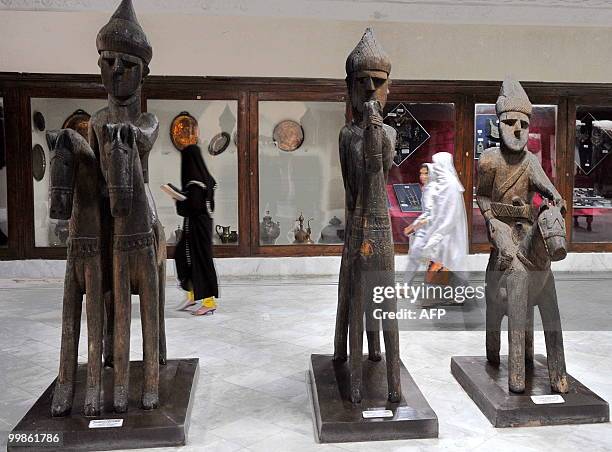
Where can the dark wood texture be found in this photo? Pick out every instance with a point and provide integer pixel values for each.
(165, 427)
(339, 420)
(487, 385)
(366, 151)
(523, 244)
(18, 88)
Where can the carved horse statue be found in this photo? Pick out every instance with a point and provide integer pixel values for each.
(527, 283)
(135, 262)
(75, 195)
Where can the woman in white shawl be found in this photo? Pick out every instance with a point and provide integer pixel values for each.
(418, 231)
(447, 241)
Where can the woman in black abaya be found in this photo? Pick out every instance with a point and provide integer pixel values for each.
(194, 251)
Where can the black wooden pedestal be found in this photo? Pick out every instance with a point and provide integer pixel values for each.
(163, 427)
(487, 385)
(339, 420)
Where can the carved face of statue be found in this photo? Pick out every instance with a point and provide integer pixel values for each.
(122, 74)
(423, 175)
(365, 86)
(514, 130)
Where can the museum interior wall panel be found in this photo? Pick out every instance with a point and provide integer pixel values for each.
(217, 124)
(299, 172)
(56, 113)
(3, 183)
(592, 175)
(542, 143)
(277, 47)
(423, 129)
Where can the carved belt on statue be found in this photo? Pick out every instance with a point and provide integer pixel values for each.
(83, 246)
(133, 241)
(501, 210)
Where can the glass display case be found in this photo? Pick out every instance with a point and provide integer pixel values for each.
(592, 175)
(3, 183)
(213, 124)
(542, 143)
(53, 114)
(300, 180)
(423, 129)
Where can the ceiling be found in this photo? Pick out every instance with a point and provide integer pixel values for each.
(588, 13)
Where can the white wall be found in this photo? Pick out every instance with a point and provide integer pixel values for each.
(64, 42)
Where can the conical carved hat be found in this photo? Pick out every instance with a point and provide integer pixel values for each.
(513, 98)
(124, 34)
(368, 56)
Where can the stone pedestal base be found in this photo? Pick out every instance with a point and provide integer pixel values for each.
(339, 420)
(163, 427)
(487, 385)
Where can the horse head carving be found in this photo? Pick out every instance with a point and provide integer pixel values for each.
(118, 167)
(551, 224)
(63, 145)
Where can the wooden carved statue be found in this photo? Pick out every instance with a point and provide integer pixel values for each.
(134, 261)
(524, 242)
(75, 194)
(366, 154)
(122, 248)
(125, 54)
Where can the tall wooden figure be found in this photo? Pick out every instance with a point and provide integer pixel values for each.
(524, 243)
(125, 54)
(366, 155)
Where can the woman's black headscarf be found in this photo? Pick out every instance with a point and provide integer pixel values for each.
(193, 168)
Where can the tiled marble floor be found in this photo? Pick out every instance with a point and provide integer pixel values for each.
(253, 358)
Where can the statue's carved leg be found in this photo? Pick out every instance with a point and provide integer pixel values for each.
(372, 332)
(162, 313)
(71, 328)
(356, 315)
(391, 337)
(517, 286)
(109, 327)
(95, 325)
(549, 310)
(123, 313)
(149, 314)
(529, 337)
(160, 252)
(342, 313)
(494, 318)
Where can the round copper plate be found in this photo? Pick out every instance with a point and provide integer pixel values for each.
(78, 121)
(288, 135)
(219, 143)
(39, 162)
(184, 131)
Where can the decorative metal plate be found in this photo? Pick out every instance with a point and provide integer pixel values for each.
(39, 162)
(184, 131)
(288, 135)
(38, 119)
(411, 135)
(219, 143)
(78, 121)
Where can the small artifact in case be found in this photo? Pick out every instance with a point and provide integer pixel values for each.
(219, 143)
(184, 131)
(288, 136)
(78, 121)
